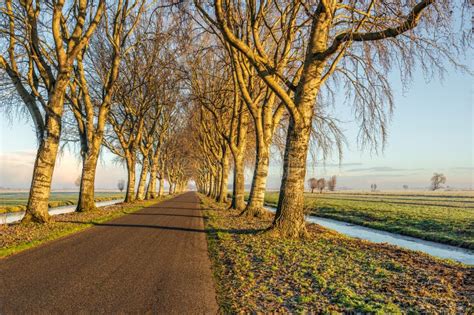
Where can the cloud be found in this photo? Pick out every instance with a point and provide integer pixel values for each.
(16, 168)
(377, 169)
(322, 164)
(463, 168)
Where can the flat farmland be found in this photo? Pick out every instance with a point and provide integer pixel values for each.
(445, 217)
(16, 201)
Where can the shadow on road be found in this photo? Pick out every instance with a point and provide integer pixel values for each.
(170, 215)
(173, 228)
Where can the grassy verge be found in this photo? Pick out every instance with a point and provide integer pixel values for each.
(326, 272)
(430, 219)
(14, 205)
(18, 237)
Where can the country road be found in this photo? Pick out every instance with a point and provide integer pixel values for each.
(151, 261)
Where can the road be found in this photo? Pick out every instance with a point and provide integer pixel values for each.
(152, 261)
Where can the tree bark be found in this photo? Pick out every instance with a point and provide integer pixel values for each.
(161, 190)
(238, 196)
(86, 192)
(143, 176)
(130, 196)
(289, 219)
(224, 178)
(255, 204)
(170, 189)
(151, 189)
(37, 206)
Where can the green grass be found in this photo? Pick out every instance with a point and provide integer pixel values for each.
(325, 273)
(12, 202)
(18, 237)
(447, 219)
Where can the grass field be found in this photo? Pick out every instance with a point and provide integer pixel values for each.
(16, 201)
(445, 217)
(326, 273)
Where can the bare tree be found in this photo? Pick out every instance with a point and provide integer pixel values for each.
(331, 183)
(313, 184)
(91, 93)
(373, 187)
(42, 43)
(321, 184)
(357, 43)
(121, 185)
(437, 180)
(77, 182)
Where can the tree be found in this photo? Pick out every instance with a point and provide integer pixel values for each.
(437, 180)
(331, 183)
(405, 187)
(121, 185)
(77, 182)
(373, 187)
(313, 184)
(331, 41)
(321, 184)
(91, 93)
(44, 41)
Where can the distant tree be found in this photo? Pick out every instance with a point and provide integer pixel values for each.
(121, 185)
(405, 187)
(437, 180)
(321, 184)
(331, 183)
(373, 187)
(313, 184)
(77, 182)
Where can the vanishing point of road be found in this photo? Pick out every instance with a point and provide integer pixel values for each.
(152, 261)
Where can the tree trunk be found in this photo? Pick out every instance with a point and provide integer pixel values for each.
(130, 196)
(143, 176)
(86, 193)
(224, 177)
(238, 196)
(289, 219)
(211, 185)
(256, 200)
(151, 188)
(37, 206)
(161, 190)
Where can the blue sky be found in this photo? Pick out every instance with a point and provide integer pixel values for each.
(431, 130)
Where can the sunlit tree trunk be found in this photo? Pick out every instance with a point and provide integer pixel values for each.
(289, 219)
(151, 189)
(86, 192)
(238, 197)
(130, 196)
(222, 197)
(37, 206)
(143, 176)
(161, 189)
(263, 132)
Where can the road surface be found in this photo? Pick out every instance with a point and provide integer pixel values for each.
(152, 261)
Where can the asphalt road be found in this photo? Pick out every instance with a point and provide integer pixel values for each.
(152, 261)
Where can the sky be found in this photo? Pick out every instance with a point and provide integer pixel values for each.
(431, 130)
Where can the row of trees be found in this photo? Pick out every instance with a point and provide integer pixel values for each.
(193, 90)
(322, 183)
(280, 63)
(95, 73)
